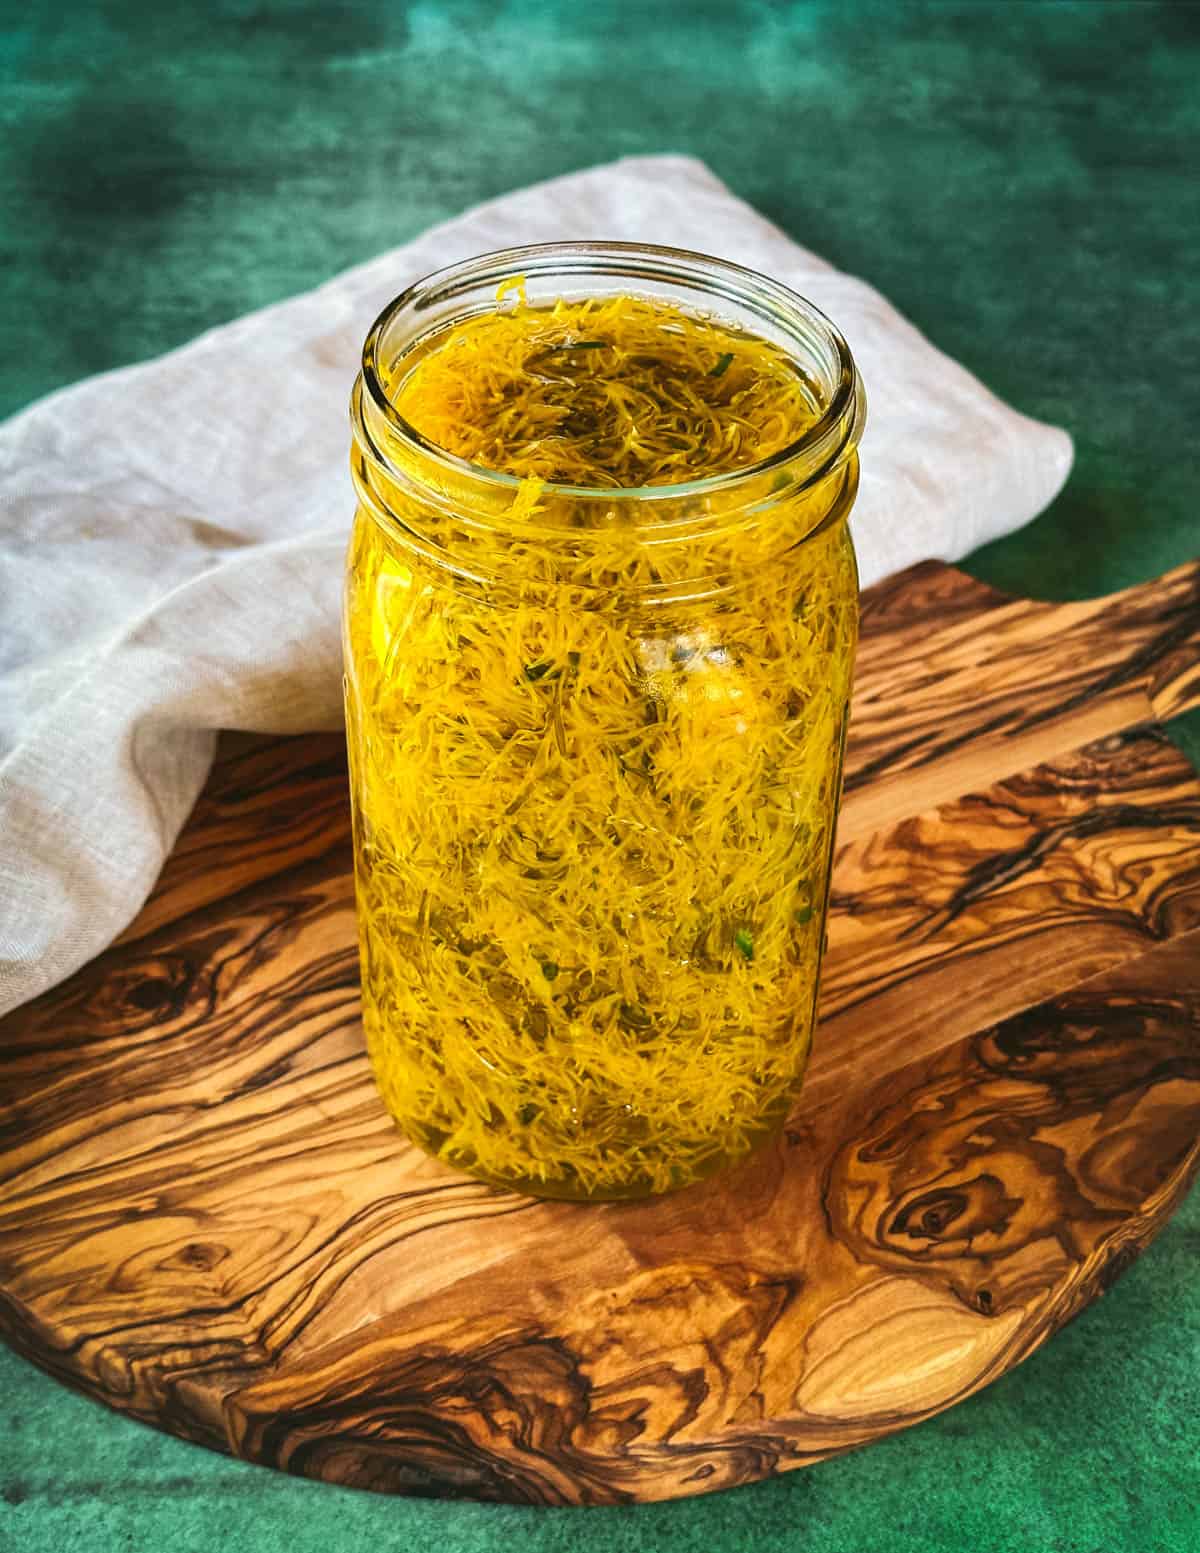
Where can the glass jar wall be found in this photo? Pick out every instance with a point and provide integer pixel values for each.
(595, 742)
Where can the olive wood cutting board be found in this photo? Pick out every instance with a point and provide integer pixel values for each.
(208, 1221)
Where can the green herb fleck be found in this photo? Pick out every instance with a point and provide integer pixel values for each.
(549, 969)
(536, 671)
(743, 941)
(722, 365)
(526, 1114)
(803, 914)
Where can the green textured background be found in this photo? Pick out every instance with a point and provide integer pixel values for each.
(1021, 179)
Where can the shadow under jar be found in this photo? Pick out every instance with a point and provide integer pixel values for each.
(595, 740)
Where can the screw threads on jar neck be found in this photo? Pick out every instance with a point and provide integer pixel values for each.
(485, 524)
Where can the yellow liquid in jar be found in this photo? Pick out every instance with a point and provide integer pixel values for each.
(592, 848)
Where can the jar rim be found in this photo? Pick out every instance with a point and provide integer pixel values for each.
(835, 431)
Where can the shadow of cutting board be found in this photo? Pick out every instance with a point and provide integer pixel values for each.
(207, 1220)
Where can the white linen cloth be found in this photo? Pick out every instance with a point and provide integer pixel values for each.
(172, 536)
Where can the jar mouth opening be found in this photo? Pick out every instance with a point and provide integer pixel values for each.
(816, 449)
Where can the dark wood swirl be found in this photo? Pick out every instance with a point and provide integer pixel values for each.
(207, 1220)
(949, 698)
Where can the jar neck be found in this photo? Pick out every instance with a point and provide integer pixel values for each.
(492, 530)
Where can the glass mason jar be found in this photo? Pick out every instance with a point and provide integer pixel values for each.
(595, 753)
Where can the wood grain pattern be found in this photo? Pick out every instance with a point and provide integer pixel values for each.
(208, 1221)
(951, 697)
